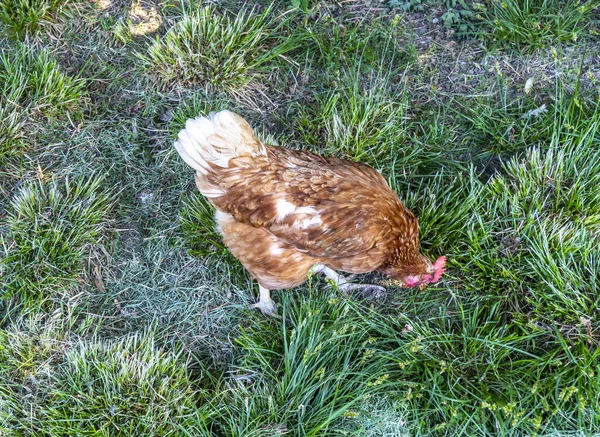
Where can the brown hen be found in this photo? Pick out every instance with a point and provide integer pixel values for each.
(284, 212)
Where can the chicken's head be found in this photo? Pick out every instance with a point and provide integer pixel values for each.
(418, 273)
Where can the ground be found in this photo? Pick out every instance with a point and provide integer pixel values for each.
(121, 312)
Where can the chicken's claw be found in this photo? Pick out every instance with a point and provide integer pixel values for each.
(268, 308)
(375, 292)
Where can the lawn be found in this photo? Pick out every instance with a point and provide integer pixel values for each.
(122, 313)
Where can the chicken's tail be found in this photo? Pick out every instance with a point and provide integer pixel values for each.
(210, 142)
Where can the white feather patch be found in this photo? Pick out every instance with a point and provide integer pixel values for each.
(276, 250)
(284, 208)
(315, 220)
(222, 218)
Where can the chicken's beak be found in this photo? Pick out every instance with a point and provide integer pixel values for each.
(423, 286)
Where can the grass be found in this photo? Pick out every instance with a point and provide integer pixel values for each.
(50, 230)
(305, 377)
(507, 324)
(507, 126)
(132, 362)
(478, 375)
(29, 346)
(536, 23)
(34, 79)
(122, 313)
(360, 122)
(26, 18)
(143, 372)
(524, 24)
(220, 50)
(33, 86)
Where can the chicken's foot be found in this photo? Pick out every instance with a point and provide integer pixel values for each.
(338, 279)
(265, 304)
(375, 291)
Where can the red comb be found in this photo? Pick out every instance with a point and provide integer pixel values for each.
(439, 267)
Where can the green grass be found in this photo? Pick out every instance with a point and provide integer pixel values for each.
(479, 375)
(507, 126)
(358, 121)
(150, 391)
(140, 375)
(51, 228)
(28, 347)
(537, 23)
(305, 376)
(22, 18)
(122, 313)
(221, 50)
(524, 291)
(509, 346)
(35, 80)
(521, 24)
(32, 86)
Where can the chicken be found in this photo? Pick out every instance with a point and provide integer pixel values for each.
(286, 213)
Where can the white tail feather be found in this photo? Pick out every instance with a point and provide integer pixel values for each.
(212, 141)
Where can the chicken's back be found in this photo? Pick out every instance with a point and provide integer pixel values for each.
(326, 207)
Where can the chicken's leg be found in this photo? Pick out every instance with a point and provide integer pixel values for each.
(342, 283)
(265, 304)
